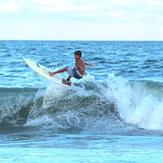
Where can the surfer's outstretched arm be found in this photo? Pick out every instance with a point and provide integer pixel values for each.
(59, 71)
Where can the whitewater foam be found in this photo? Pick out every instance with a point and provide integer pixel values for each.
(135, 103)
(70, 107)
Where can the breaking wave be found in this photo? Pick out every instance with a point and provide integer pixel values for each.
(114, 105)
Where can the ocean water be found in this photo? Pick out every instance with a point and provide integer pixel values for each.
(114, 114)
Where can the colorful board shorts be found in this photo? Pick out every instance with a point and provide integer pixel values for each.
(73, 72)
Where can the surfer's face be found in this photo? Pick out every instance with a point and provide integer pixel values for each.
(76, 56)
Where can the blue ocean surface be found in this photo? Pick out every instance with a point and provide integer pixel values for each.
(114, 114)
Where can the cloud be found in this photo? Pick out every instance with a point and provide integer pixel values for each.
(53, 5)
(66, 6)
(9, 6)
(94, 19)
(138, 2)
(95, 9)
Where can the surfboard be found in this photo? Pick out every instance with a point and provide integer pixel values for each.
(42, 71)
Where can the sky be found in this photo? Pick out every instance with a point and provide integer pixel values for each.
(81, 19)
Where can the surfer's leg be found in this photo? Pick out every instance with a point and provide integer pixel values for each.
(58, 71)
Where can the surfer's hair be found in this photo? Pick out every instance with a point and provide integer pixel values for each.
(78, 52)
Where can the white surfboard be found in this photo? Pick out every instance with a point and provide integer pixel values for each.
(42, 71)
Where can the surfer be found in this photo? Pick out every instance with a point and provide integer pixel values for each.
(77, 72)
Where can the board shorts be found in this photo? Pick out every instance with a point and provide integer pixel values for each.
(73, 72)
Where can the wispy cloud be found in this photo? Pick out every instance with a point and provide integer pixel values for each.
(9, 6)
(53, 5)
(126, 10)
(65, 5)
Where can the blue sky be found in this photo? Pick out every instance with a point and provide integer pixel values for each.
(81, 19)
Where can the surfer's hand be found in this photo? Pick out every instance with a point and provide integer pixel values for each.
(92, 65)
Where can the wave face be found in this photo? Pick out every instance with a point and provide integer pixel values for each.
(15, 105)
(115, 105)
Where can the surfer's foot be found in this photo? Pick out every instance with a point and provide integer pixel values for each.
(66, 82)
(68, 79)
(51, 73)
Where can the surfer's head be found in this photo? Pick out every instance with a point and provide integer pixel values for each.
(77, 54)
